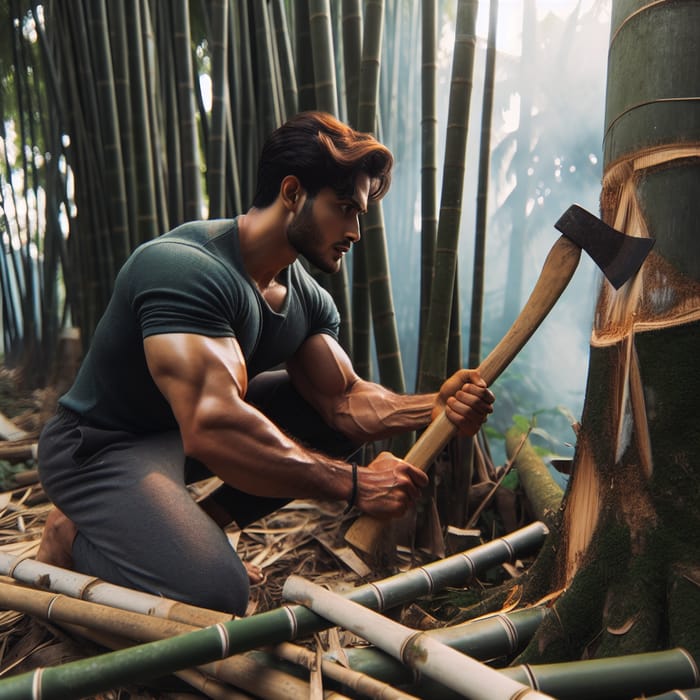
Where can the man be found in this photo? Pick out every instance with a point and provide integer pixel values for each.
(178, 384)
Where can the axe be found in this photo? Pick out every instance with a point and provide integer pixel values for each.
(618, 256)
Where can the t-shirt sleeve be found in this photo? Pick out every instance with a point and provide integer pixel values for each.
(175, 287)
(322, 313)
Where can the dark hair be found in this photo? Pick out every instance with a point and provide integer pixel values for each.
(322, 152)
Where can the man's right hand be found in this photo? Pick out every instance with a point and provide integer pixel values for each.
(388, 486)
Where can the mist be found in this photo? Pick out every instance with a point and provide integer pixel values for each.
(555, 68)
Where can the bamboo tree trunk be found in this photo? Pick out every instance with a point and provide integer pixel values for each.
(245, 126)
(327, 101)
(305, 61)
(216, 156)
(120, 54)
(482, 193)
(383, 316)
(429, 139)
(627, 555)
(147, 209)
(182, 45)
(284, 50)
(434, 358)
(111, 137)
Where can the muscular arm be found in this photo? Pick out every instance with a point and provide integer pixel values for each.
(204, 380)
(365, 411)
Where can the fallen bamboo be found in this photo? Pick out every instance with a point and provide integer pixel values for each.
(485, 639)
(193, 677)
(89, 588)
(613, 678)
(348, 677)
(692, 694)
(244, 673)
(418, 651)
(543, 492)
(231, 637)
(453, 571)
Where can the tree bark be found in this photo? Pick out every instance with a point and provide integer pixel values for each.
(627, 554)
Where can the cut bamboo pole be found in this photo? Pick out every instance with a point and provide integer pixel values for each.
(359, 682)
(485, 639)
(243, 672)
(692, 694)
(84, 587)
(453, 571)
(418, 651)
(198, 680)
(544, 494)
(614, 677)
(283, 624)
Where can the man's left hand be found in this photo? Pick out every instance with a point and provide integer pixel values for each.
(466, 400)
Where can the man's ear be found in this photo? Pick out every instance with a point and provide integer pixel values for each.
(291, 191)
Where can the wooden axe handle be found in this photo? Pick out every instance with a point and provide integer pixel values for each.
(366, 532)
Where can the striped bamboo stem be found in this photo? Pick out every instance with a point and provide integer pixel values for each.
(243, 672)
(692, 694)
(485, 639)
(612, 678)
(455, 570)
(76, 585)
(418, 651)
(206, 685)
(348, 677)
(283, 624)
(616, 678)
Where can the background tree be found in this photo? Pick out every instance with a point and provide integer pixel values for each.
(126, 150)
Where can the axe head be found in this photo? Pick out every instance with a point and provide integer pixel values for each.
(619, 256)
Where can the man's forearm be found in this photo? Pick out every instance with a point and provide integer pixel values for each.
(368, 412)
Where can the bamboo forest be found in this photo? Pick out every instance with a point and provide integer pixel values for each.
(540, 228)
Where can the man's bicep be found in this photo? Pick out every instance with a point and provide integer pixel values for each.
(189, 368)
(322, 372)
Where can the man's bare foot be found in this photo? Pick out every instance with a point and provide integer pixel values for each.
(56, 546)
(255, 573)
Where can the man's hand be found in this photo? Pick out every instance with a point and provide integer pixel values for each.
(466, 400)
(388, 486)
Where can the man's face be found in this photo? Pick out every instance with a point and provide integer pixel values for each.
(327, 225)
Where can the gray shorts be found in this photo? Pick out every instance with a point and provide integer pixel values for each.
(138, 525)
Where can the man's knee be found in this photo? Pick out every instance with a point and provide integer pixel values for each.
(222, 585)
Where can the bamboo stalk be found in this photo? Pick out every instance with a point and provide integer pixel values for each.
(542, 491)
(485, 639)
(243, 672)
(359, 682)
(456, 570)
(198, 680)
(613, 677)
(418, 651)
(693, 694)
(227, 638)
(84, 587)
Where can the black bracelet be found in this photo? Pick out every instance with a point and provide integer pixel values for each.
(353, 494)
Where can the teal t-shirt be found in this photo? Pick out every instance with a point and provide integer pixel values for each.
(190, 280)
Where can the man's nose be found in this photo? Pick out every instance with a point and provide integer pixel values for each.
(353, 233)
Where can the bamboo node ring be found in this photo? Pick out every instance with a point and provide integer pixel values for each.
(36, 684)
(225, 640)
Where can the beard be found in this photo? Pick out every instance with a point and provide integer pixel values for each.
(305, 236)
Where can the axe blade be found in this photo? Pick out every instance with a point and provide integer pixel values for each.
(619, 256)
